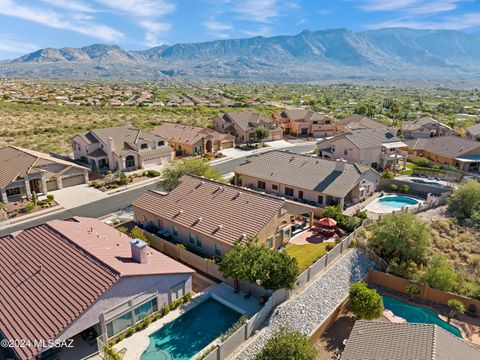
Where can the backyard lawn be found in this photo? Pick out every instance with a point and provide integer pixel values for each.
(409, 170)
(307, 254)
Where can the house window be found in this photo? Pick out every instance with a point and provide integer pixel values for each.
(274, 187)
(315, 122)
(300, 194)
(261, 184)
(289, 191)
(192, 239)
(345, 151)
(177, 291)
(161, 143)
(199, 241)
(304, 132)
(270, 242)
(119, 324)
(175, 231)
(320, 199)
(14, 191)
(146, 309)
(218, 250)
(333, 148)
(130, 161)
(144, 146)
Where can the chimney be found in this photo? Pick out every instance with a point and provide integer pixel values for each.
(139, 251)
(340, 165)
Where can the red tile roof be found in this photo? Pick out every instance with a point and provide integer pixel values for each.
(113, 248)
(46, 284)
(52, 273)
(215, 209)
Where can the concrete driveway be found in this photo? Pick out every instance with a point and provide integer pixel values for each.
(78, 195)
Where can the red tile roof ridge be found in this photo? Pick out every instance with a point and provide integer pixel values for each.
(238, 188)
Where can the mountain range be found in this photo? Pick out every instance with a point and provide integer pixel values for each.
(308, 56)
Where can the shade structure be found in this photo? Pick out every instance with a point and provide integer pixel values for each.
(327, 222)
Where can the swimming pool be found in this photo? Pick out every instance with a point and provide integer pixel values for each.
(397, 202)
(431, 183)
(185, 336)
(417, 314)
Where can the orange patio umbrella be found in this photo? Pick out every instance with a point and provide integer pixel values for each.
(327, 222)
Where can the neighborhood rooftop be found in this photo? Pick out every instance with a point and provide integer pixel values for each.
(17, 162)
(369, 138)
(188, 134)
(446, 146)
(359, 122)
(378, 340)
(303, 171)
(215, 209)
(122, 137)
(246, 119)
(304, 114)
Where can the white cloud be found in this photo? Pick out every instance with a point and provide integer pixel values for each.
(262, 11)
(217, 26)
(261, 31)
(59, 21)
(140, 8)
(153, 30)
(455, 22)
(146, 14)
(411, 6)
(72, 5)
(15, 46)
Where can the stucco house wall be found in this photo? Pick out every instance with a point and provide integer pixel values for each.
(124, 290)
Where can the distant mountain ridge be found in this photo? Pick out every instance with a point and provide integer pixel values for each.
(307, 56)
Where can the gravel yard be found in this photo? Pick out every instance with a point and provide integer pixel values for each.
(307, 310)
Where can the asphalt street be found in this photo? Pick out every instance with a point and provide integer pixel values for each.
(123, 199)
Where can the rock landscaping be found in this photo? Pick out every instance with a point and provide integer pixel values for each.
(310, 308)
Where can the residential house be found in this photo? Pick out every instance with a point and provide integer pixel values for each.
(378, 148)
(381, 340)
(355, 122)
(454, 151)
(301, 122)
(26, 171)
(424, 128)
(80, 277)
(473, 132)
(121, 148)
(189, 140)
(316, 181)
(242, 126)
(209, 216)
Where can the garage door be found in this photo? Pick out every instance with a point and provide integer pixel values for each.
(52, 185)
(73, 180)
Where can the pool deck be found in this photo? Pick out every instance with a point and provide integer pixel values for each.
(376, 207)
(134, 346)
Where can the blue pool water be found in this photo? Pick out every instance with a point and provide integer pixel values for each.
(431, 183)
(417, 314)
(397, 202)
(185, 336)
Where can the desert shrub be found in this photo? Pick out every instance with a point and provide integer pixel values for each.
(388, 174)
(29, 207)
(153, 173)
(394, 187)
(288, 345)
(50, 197)
(404, 189)
(365, 303)
(422, 162)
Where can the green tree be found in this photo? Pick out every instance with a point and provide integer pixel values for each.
(136, 233)
(254, 262)
(365, 303)
(110, 353)
(394, 111)
(422, 161)
(441, 274)
(178, 168)
(456, 307)
(465, 201)
(414, 290)
(402, 240)
(288, 345)
(261, 133)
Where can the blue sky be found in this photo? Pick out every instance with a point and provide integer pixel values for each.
(27, 25)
